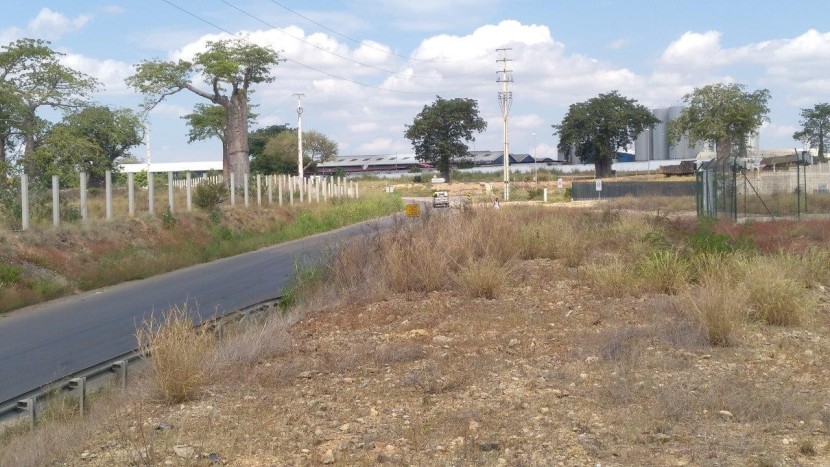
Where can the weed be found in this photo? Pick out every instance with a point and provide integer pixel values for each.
(807, 447)
(775, 297)
(9, 274)
(663, 271)
(612, 278)
(715, 307)
(168, 220)
(483, 278)
(179, 352)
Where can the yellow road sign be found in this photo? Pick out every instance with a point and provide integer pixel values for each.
(413, 210)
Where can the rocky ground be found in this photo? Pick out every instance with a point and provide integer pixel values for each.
(546, 374)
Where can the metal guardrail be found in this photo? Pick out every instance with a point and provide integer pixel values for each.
(27, 404)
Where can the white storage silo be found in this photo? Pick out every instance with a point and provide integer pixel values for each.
(660, 136)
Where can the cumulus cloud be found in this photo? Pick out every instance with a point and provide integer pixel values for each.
(111, 73)
(53, 25)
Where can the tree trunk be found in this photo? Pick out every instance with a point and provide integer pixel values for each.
(236, 135)
(602, 168)
(3, 138)
(723, 148)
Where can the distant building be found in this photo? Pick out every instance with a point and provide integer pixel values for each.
(194, 167)
(390, 163)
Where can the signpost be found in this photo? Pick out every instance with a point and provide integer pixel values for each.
(413, 210)
(599, 188)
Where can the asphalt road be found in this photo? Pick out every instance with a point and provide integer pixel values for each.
(45, 342)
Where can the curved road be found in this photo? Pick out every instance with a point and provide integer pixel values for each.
(46, 342)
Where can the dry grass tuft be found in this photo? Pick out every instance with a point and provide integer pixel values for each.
(179, 354)
(483, 278)
(613, 278)
(775, 296)
(717, 308)
(663, 271)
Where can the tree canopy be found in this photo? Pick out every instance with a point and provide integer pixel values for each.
(229, 67)
(279, 154)
(721, 114)
(439, 133)
(598, 127)
(90, 140)
(32, 77)
(815, 128)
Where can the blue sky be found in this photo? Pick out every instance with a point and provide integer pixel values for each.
(564, 52)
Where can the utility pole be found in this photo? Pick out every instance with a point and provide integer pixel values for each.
(147, 140)
(299, 134)
(505, 77)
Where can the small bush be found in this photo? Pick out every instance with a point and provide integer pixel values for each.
(613, 278)
(775, 297)
(664, 271)
(483, 278)
(168, 220)
(717, 309)
(209, 196)
(417, 179)
(706, 241)
(178, 353)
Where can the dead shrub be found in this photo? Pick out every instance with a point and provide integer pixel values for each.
(622, 344)
(483, 278)
(431, 380)
(178, 352)
(716, 307)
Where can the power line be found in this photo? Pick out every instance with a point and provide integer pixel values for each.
(323, 49)
(359, 42)
(332, 75)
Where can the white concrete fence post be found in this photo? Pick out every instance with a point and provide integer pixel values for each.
(233, 190)
(356, 190)
(259, 190)
(300, 183)
(131, 194)
(290, 190)
(108, 190)
(279, 189)
(24, 202)
(170, 206)
(245, 187)
(56, 201)
(545, 195)
(84, 210)
(188, 186)
(151, 193)
(269, 184)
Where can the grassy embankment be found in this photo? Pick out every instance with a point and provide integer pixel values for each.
(46, 263)
(722, 285)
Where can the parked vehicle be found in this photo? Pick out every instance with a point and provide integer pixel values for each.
(440, 199)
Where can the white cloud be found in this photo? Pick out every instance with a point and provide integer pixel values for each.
(619, 43)
(111, 73)
(366, 127)
(50, 24)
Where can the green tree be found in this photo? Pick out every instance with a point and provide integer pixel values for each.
(598, 127)
(32, 77)
(259, 138)
(113, 131)
(230, 67)
(815, 129)
(279, 155)
(721, 114)
(439, 133)
(64, 151)
(207, 121)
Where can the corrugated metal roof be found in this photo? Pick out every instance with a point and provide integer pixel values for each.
(193, 166)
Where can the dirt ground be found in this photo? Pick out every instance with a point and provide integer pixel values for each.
(547, 374)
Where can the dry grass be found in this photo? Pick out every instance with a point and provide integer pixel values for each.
(612, 278)
(484, 277)
(775, 296)
(718, 309)
(179, 354)
(664, 272)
